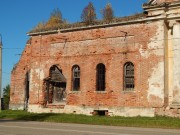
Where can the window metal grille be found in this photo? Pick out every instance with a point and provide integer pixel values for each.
(128, 76)
(76, 78)
(100, 77)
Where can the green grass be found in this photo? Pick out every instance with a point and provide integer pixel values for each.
(155, 122)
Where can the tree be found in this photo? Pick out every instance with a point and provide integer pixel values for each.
(108, 13)
(55, 19)
(6, 97)
(40, 26)
(88, 14)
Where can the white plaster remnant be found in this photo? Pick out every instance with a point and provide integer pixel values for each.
(17, 106)
(156, 44)
(176, 62)
(31, 78)
(156, 82)
(40, 72)
(88, 46)
(143, 52)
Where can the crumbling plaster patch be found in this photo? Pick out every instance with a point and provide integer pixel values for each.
(40, 72)
(155, 46)
(34, 73)
(156, 82)
(176, 62)
(91, 46)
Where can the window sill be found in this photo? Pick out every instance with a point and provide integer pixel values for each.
(129, 91)
(101, 92)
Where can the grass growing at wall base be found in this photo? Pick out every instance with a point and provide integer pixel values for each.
(155, 122)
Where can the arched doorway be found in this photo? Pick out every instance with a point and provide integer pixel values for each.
(55, 86)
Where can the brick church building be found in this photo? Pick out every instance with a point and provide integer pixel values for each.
(126, 68)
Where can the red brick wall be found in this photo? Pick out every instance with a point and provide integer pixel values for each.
(18, 76)
(87, 48)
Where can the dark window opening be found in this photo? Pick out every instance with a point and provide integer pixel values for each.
(101, 112)
(100, 77)
(27, 85)
(26, 91)
(76, 78)
(128, 76)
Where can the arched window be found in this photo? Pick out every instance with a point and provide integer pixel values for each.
(76, 78)
(128, 76)
(100, 77)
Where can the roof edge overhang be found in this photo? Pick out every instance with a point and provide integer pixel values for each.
(97, 26)
(42, 32)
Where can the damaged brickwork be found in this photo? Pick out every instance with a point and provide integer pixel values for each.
(58, 70)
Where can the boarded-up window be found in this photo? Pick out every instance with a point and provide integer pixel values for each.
(128, 76)
(55, 86)
(100, 77)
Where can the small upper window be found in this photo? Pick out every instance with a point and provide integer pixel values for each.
(128, 76)
(100, 77)
(76, 78)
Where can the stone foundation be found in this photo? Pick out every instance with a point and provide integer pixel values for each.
(170, 112)
(16, 107)
(111, 111)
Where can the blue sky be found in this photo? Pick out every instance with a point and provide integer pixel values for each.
(17, 17)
